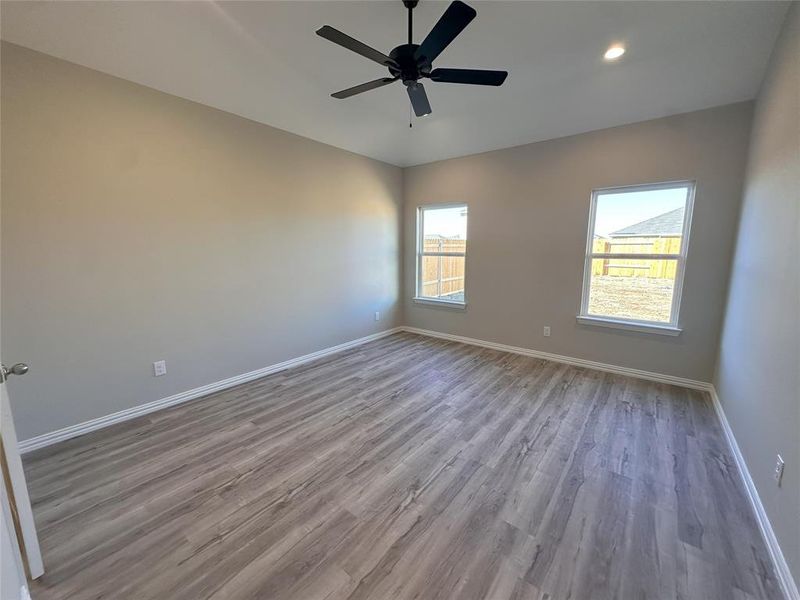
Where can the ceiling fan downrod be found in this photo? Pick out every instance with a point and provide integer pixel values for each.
(410, 5)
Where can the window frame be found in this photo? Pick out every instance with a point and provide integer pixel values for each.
(671, 328)
(418, 298)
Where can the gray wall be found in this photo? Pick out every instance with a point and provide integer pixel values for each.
(528, 216)
(758, 375)
(138, 226)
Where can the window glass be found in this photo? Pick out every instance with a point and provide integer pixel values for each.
(636, 254)
(441, 253)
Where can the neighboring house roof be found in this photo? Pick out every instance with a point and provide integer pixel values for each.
(670, 223)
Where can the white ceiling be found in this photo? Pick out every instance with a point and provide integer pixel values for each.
(262, 60)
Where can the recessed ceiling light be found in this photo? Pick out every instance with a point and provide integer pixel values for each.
(614, 52)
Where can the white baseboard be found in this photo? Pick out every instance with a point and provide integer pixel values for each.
(48, 439)
(776, 554)
(578, 362)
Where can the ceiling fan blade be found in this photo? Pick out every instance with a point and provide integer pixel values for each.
(364, 87)
(419, 99)
(344, 40)
(472, 76)
(452, 22)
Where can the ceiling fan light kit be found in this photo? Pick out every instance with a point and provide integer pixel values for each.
(411, 62)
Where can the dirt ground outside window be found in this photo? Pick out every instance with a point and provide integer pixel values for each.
(640, 298)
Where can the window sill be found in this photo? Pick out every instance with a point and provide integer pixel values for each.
(441, 303)
(629, 326)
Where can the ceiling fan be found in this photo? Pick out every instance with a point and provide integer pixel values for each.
(412, 62)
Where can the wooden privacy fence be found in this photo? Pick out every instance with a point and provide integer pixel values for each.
(618, 267)
(443, 275)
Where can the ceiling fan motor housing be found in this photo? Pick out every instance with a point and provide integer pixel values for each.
(407, 66)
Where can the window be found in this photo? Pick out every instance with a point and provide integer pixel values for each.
(441, 254)
(635, 256)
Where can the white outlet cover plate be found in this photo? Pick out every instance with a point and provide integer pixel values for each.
(779, 464)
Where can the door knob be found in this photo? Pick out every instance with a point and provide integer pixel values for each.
(17, 369)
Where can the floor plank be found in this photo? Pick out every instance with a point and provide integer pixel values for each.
(409, 467)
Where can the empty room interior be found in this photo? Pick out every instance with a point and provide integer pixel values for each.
(400, 299)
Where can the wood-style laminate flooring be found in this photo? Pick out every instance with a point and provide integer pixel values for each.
(408, 467)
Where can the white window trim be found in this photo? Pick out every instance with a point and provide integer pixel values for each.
(438, 302)
(671, 328)
(420, 245)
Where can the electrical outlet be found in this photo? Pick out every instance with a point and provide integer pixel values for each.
(377, 316)
(159, 368)
(778, 474)
(546, 331)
